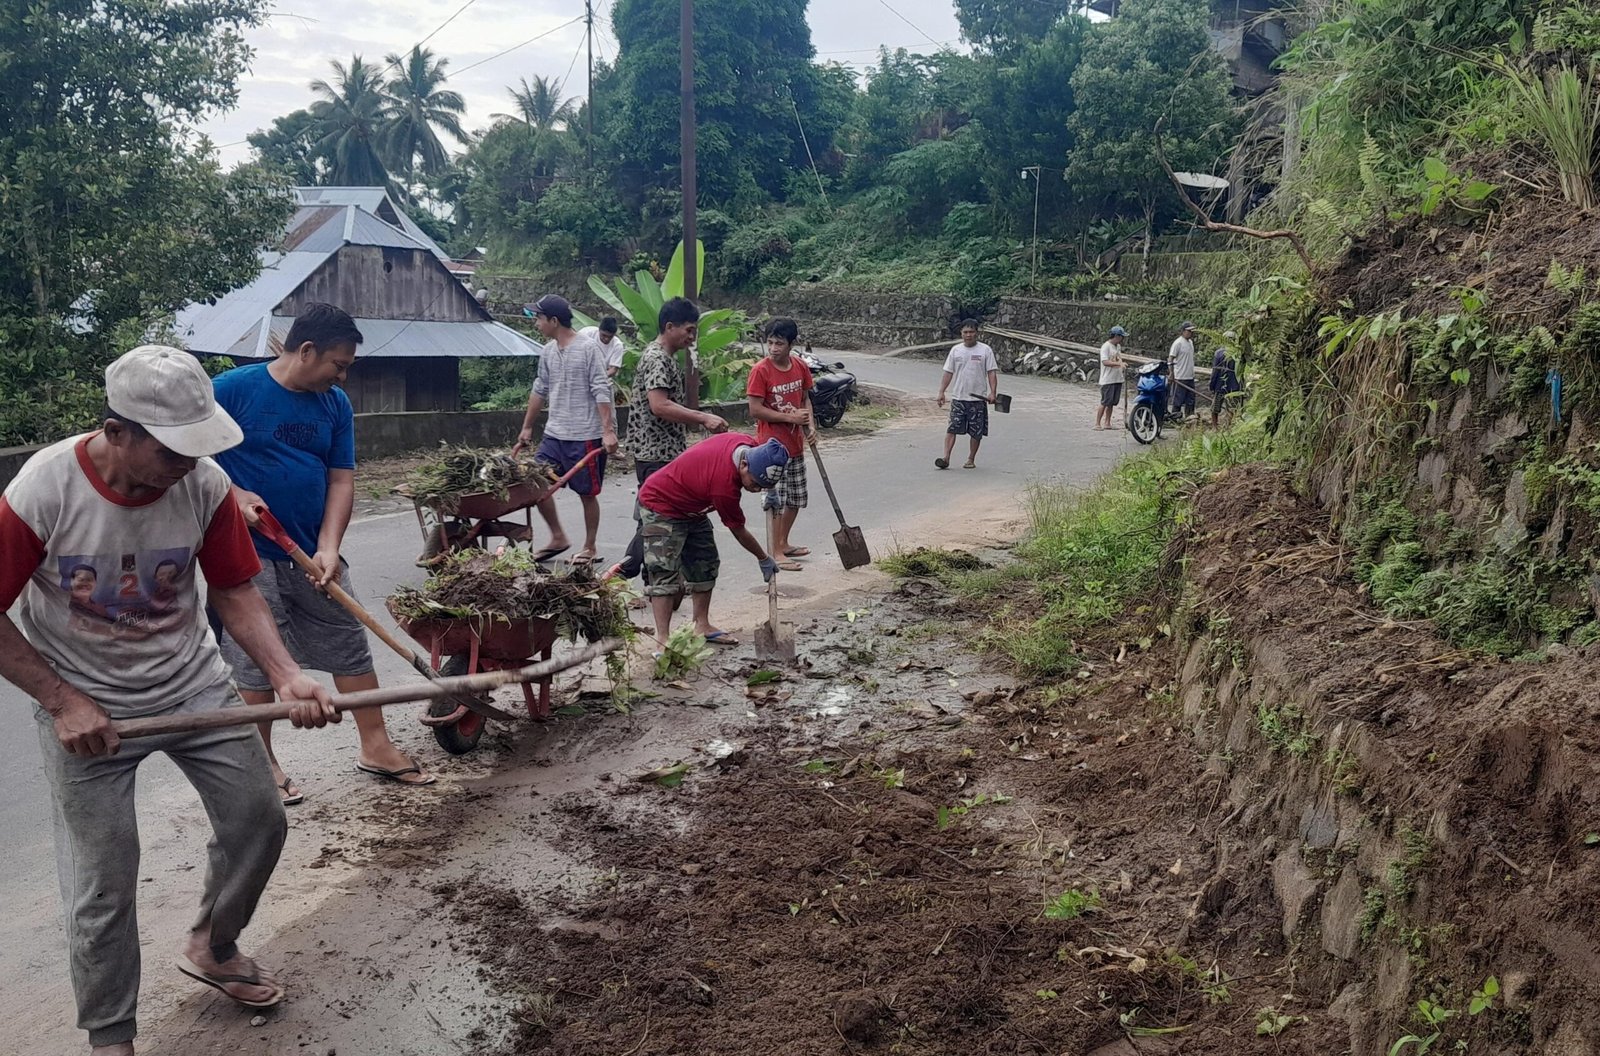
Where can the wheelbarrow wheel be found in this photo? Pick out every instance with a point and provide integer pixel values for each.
(463, 735)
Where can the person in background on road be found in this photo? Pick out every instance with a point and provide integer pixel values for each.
(298, 460)
(660, 411)
(1110, 377)
(136, 495)
(680, 551)
(1224, 378)
(973, 378)
(573, 381)
(610, 343)
(1180, 361)
(779, 391)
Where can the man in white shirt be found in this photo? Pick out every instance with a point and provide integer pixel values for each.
(972, 378)
(1180, 361)
(1110, 377)
(610, 343)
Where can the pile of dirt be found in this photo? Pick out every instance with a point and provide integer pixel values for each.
(1419, 262)
(510, 587)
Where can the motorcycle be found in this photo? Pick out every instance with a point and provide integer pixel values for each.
(833, 392)
(1149, 403)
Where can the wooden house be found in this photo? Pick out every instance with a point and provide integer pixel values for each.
(352, 247)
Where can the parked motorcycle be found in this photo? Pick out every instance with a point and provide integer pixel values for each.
(1149, 403)
(834, 391)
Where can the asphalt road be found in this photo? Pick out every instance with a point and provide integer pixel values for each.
(887, 484)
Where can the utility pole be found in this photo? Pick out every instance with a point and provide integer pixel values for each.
(691, 245)
(588, 17)
(1038, 178)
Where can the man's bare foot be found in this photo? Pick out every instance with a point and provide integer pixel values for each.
(387, 759)
(124, 1048)
(238, 977)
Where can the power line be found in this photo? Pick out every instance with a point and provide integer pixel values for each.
(910, 23)
(514, 47)
(574, 62)
(882, 47)
(446, 22)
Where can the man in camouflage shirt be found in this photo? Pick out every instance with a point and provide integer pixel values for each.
(658, 411)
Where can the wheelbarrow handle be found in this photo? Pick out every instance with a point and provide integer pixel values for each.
(156, 725)
(569, 474)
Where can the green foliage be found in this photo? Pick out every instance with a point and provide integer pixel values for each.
(1286, 729)
(1072, 904)
(115, 212)
(1562, 110)
(685, 653)
(1444, 188)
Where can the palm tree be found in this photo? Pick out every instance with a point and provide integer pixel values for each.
(539, 105)
(352, 119)
(418, 105)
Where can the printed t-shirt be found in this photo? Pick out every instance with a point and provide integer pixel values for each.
(613, 350)
(291, 440)
(703, 478)
(781, 390)
(1110, 353)
(107, 583)
(970, 368)
(653, 439)
(1182, 356)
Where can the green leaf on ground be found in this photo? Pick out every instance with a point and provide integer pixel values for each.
(762, 677)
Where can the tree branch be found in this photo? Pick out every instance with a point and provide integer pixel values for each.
(1209, 224)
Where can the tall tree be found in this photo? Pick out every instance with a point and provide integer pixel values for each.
(113, 211)
(1154, 60)
(419, 108)
(539, 105)
(1006, 26)
(352, 116)
(290, 146)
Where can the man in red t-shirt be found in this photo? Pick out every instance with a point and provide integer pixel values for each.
(680, 553)
(780, 402)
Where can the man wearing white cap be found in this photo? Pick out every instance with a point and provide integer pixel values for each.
(101, 537)
(1180, 361)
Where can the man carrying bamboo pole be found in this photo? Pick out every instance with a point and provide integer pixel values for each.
(139, 504)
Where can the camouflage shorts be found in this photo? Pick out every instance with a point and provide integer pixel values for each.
(678, 555)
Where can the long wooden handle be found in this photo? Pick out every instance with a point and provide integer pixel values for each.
(157, 725)
(826, 483)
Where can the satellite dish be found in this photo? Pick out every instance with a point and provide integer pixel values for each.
(1204, 181)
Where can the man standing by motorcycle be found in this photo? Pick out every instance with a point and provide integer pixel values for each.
(1110, 377)
(779, 391)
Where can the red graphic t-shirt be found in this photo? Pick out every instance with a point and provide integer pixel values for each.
(782, 390)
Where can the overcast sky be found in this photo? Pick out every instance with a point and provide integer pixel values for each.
(297, 42)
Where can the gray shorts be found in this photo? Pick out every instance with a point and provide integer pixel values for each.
(790, 492)
(319, 634)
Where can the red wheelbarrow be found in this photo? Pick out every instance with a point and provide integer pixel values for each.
(473, 645)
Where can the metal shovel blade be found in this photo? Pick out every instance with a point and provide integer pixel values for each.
(852, 547)
(774, 641)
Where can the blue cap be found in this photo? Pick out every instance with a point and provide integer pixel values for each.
(1117, 331)
(766, 462)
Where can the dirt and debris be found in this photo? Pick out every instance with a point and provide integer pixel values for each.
(509, 587)
(454, 472)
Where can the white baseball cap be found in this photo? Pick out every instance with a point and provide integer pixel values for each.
(166, 390)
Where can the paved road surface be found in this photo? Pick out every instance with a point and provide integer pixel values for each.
(887, 484)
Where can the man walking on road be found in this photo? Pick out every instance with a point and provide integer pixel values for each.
(298, 460)
(973, 378)
(136, 503)
(1110, 377)
(660, 411)
(1180, 361)
(606, 336)
(779, 391)
(680, 551)
(573, 381)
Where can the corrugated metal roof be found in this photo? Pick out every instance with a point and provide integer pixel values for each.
(324, 228)
(403, 339)
(371, 200)
(234, 321)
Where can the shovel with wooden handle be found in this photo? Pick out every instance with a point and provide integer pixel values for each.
(851, 543)
(774, 640)
(269, 526)
(443, 689)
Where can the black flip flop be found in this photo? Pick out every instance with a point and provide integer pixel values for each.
(396, 775)
(290, 798)
(219, 982)
(548, 553)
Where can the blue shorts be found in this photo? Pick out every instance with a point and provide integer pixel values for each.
(564, 454)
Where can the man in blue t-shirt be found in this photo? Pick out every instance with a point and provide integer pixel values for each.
(298, 459)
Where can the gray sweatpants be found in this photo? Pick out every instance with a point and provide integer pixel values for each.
(97, 850)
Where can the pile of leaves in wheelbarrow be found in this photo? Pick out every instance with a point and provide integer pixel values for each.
(456, 471)
(480, 585)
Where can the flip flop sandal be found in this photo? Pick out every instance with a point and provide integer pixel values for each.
(396, 775)
(219, 982)
(722, 638)
(548, 553)
(942, 463)
(791, 566)
(290, 798)
(970, 465)
(797, 551)
(581, 558)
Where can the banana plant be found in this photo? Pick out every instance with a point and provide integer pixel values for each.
(724, 363)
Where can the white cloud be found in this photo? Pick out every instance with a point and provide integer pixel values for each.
(298, 41)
